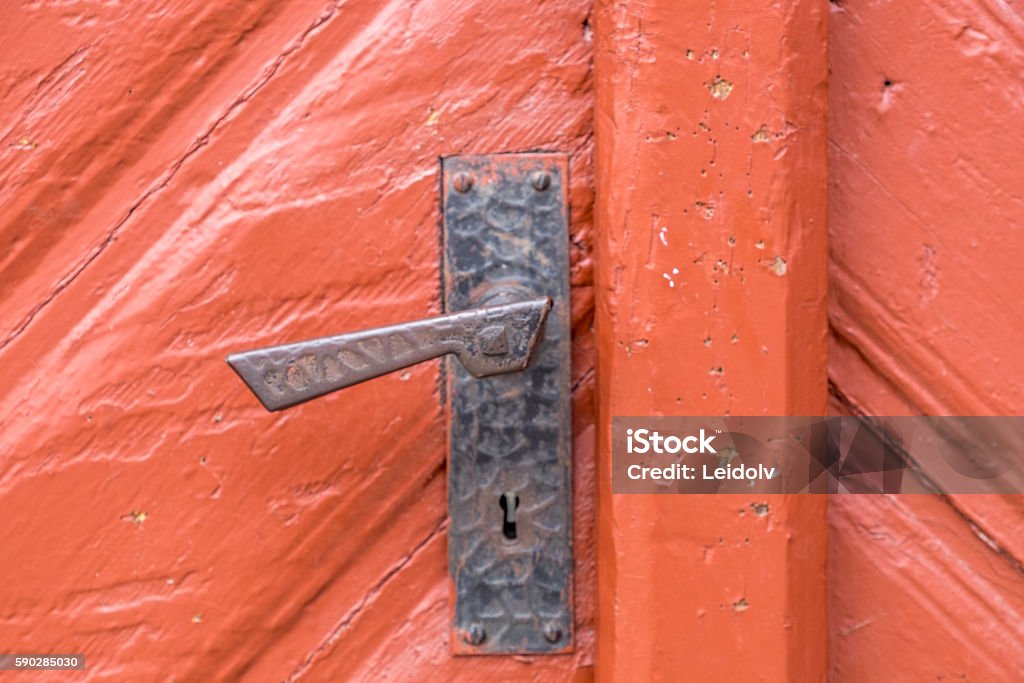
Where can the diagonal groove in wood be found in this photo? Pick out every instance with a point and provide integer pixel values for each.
(978, 529)
(326, 15)
(335, 633)
(984, 535)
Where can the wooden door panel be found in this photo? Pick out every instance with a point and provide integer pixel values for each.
(912, 581)
(102, 104)
(925, 314)
(274, 177)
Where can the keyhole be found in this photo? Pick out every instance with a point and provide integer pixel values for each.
(509, 502)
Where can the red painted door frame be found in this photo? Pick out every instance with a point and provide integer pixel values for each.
(711, 295)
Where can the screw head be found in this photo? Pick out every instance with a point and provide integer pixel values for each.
(476, 634)
(552, 633)
(462, 182)
(540, 180)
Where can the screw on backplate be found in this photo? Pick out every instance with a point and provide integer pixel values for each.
(462, 182)
(540, 181)
(552, 633)
(476, 634)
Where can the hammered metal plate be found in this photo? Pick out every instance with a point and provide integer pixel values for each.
(506, 230)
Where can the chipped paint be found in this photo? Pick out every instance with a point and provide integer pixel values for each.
(721, 195)
(720, 88)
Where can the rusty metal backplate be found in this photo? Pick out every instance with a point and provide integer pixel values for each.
(506, 237)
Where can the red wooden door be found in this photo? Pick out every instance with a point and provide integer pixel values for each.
(189, 180)
(183, 181)
(925, 310)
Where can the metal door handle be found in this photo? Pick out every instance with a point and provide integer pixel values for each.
(505, 272)
(490, 340)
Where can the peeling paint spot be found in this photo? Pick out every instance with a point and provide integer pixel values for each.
(740, 605)
(889, 87)
(974, 42)
(136, 517)
(197, 618)
(759, 244)
(690, 55)
(779, 266)
(760, 509)
(24, 143)
(762, 134)
(663, 235)
(726, 456)
(433, 117)
(720, 88)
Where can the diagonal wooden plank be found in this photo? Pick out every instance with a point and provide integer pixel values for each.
(169, 523)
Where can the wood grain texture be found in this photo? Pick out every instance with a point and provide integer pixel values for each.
(184, 181)
(710, 124)
(926, 244)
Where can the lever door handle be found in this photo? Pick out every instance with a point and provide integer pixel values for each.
(490, 340)
(504, 262)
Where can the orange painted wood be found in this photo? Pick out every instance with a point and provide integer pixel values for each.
(926, 313)
(711, 165)
(183, 181)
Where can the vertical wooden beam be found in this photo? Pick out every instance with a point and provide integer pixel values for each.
(711, 210)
